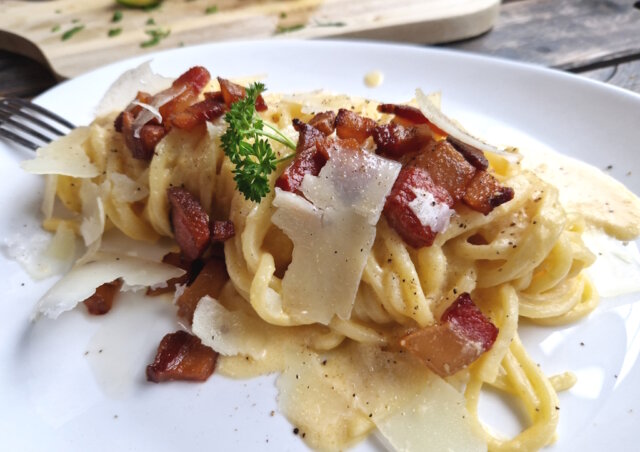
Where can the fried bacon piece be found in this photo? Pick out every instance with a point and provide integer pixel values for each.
(134, 110)
(394, 140)
(190, 222)
(181, 356)
(349, 124)
(462, 336)
(485, 193)
(209, 281)
(400, 215)
(221, 230)
(324, 122)
(192, 268)
(329, 145)
(308, 159)
(198, 113)
(141, 147)
(472, 155)
(191, 83)
(102, 299)
(447, 168)
(232, 92)
(410, 116)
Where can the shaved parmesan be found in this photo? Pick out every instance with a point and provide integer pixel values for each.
(434, 214)
(333, 231)
(65, 156)
(155, 113)
(228, 332)
(433, 420)
(433, 113)
(40, 254)
(126, 87)
(150, 112)
(82, 281)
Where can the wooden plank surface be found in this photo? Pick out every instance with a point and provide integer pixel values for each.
(73, 36)
(521, 33)
(567, 34)
(623, 75)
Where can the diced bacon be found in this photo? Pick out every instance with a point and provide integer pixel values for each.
(209, 281)
(465, 317)
(195, 79)
(150, 136)
(142, 143)
(215, 95)
(232, 92)
(206, 110)
(192, 83)
(324, 122)
(410, 115)
(308, 159)
(181, 356)
(349, 124)
(222, 230)
(447, 168)
(472, 155)
(190, 222)
(133, 109)
(398, 212)
(101, 301)
(463, 335)
(394, 140)
(330, 145)
(307, 135)
(142, 147)
(192, 269)
(485, 193)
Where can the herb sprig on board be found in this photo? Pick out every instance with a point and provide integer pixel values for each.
(246, 143)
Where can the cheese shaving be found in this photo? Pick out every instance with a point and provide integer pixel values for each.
(227, 331)
(125, 88)
(332, 232)
(433, 113)
(65, 156)
(82, 281)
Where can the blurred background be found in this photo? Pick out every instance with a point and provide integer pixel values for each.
(43, 42)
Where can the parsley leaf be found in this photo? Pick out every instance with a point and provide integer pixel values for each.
(246, 143)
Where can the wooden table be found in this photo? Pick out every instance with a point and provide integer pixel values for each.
(599, 39)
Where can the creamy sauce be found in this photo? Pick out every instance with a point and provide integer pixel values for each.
(373, 79)
(603, 201)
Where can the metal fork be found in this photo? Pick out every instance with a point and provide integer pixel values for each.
(30, 125)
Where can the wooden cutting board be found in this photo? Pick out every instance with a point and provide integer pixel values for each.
(73, 36)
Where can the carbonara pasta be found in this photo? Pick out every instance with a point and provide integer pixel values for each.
(344, 375)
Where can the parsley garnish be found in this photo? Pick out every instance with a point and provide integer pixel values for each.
(69, 33)
(55, 28)
(330, 24)
(117, 16)
(281, 29)
(246, 143)
(211, 9)
(156, 35)
(114, 32)
(150, 21)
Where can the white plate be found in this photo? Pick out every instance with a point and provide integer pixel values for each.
(55, 393)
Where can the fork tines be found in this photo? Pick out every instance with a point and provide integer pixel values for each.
(29, 124)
